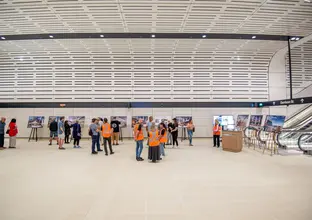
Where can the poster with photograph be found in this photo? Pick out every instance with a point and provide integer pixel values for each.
(35, 122)
(242, 121)
(54, 118)
(183, 120)
(72, 120)
(227, 121)
(162, 119)
(135, 119)
(255, 121)
(121, 119)
(274, 122)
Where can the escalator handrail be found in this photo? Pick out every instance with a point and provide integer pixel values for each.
(299, 140)
(302, 123)
(296, 113)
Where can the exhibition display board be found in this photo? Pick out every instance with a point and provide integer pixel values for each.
(274, 122)
(35, 122)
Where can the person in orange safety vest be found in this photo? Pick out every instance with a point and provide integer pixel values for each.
(216, 133)
(107, 135)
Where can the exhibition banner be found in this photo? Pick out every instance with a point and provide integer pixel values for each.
(81, 119)
(35, 122)
(274, 123)
(242, 121)
(162, 119)
(255, 121)
(135, 119)
(183, 120)
(121, 119)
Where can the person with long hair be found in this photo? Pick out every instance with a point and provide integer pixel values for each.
(138, 136)
(162, 138)
(76, 134)
(174, 132)
(153, 149)
(190, 130)
(12, 133)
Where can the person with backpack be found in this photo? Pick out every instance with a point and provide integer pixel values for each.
(53, 132)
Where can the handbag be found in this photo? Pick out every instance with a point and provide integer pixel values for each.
(8, 131)
(90, 132)
(194, 129)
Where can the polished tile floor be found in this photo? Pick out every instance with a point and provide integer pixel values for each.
(39, 182)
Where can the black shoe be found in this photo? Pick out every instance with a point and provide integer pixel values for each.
(106, 154)
(160, 158)
(218, 146)
(12, 147)
(117, 144)
(100, 150)
(141, 159)
(112, 152)
(94, 152)
(50, 143)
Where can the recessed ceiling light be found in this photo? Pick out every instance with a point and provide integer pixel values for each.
(204, 36)
(254, 37)
(3, 38)
(50, 36)
(153, 35)
(297, 38)
(293, 38)
(308, 1)
(101, 35)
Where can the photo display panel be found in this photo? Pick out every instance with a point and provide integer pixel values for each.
(35, 122)
(274, 123)
(121, 119)
(183, 120)
(162, 119)
(135, 119)
(242, 121)
(227, 121)
(81, 119)
(255, 121)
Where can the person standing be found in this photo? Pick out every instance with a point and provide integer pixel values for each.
(216, 133)
(53, 131)
(190, 130)
(116, 129)
(61, 133)
(149, 125)
(162, 138)
(138, 138)
(67, 132)
(174, 132)
(100, 123)
(107, 134)
(12, 133)
(76, 134)
(2, 133)
(94, 130)
(153, 150)
(169, 138)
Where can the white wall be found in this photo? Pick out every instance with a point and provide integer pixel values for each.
(203, 117)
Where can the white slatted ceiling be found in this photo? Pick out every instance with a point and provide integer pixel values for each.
(301, 60)
(135, 70)
(288, 17)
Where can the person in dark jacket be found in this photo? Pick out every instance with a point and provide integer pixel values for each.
(76, 134)
(53, 132)
(67, 132)
(2, 133)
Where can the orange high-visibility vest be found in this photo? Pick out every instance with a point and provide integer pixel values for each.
(106, 130)
(163, 139)
(217, 129)
(153, 140)
(140, 136)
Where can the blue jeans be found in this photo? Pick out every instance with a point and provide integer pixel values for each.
(139, 148)
(190, 135)
(162, 149)
(95, 141)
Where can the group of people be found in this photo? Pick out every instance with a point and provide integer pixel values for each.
(11, 131)
(61, 131)
(107, 133)
(158, 137)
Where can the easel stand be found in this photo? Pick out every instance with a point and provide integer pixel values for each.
(33, 134)
(183, 137)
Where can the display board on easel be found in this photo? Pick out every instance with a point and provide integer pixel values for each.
(35, 122)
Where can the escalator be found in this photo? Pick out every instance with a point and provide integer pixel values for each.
(305, 143)
(298, 117)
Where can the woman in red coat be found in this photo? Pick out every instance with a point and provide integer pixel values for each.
(12, 133)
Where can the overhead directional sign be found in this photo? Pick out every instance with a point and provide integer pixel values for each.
(298, 101)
